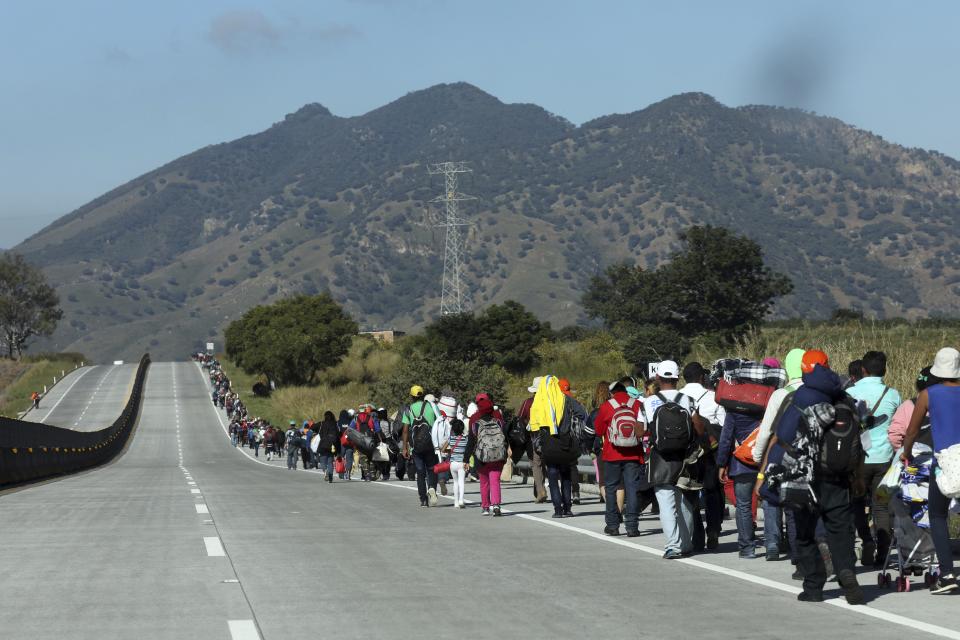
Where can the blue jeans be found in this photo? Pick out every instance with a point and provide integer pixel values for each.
(743, 491)
(325, 461)
(558, 478)
(293, 454)
(348, 461)
(629, 473)
(425, 476)
(676, 518)
(771, 528)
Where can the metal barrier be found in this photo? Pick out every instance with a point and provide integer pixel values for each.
(584, 466)
(32, 451)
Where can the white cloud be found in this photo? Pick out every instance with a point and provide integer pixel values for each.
(246, 30)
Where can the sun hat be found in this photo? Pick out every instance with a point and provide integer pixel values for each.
(536, 384)
(448, 406)
(668, 370)
(946, 364)
(812, 358)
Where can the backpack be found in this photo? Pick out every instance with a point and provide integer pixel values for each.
(840, 450)
(672, 426)
(491, 443)
(623, 424)
(421, 432)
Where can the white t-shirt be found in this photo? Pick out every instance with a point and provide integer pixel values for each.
(651, 404)
(706, 403)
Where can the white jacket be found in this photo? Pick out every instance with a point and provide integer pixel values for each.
(440, 432)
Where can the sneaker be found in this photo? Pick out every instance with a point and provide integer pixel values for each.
(432, 496)
(851, 588)
(944, 584)
(484, 512)
(496, 510)
(713, 542)
(576, 497)
(773, 556)
(797, 575)
(443, 489)
(633, 534)
(557, 514)
(750, 554)
(672, 554)
(868, 554)
(611, 531)
(810, 596)
(423, 503)
(568, 514)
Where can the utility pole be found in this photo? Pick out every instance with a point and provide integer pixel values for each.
(453, 296)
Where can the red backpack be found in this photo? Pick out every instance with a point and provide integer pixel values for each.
(623, 424)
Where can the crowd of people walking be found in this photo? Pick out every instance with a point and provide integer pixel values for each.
(825, 458)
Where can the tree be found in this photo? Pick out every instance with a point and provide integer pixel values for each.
(717, 285)
(464, 380)
(28, 305)
(291, 340)
(505, 335)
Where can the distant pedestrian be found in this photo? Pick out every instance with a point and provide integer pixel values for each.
(294, 440)
(35, 397)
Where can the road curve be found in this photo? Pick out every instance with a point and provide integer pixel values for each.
(87, 399)
(186, 537)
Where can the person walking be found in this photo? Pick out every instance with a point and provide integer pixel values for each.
(619, 425)
(674, 412)
(417, 440)
(459, 463)
(329, 434)
(737, 427)
(942, 401)
(536, 464)
(487, 443)
(881, 402)
(294, 440)
(346, 417)
(35, 398)
(446, 413)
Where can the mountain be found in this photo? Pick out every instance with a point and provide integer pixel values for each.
(321, 202)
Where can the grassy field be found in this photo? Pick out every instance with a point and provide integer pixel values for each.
(20, 379)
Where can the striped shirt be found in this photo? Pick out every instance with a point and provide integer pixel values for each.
(458, 446)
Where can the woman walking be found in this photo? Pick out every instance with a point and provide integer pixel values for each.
(487, 442)
(943, 403)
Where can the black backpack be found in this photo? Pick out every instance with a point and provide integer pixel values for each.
(672, 426)
(841, 451)
(421, 432)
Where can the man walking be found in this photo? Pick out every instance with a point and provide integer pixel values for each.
(618, 423)
(417, 437)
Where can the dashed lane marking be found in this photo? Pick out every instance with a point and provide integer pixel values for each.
(202, 508)
(243, 630)
(65, 393)
(214, 547)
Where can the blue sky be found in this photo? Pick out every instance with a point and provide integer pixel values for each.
(95, 93)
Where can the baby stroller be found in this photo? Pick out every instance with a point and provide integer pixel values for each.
(911, 551)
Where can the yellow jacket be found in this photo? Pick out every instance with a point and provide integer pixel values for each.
(548, 403)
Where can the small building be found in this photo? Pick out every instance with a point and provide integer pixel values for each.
(384, 335)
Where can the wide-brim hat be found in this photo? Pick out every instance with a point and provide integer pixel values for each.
(946, 364)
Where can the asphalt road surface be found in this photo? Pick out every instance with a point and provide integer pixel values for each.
(185, 536)
(87, 399)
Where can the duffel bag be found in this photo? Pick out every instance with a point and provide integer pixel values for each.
(747, 398)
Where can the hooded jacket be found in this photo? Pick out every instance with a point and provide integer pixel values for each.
(820, 385)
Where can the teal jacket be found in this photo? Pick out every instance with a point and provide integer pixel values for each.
(868, 391)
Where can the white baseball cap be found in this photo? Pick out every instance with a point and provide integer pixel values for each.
(536, 385)
(668, 370)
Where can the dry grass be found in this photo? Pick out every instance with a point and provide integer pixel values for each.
(908, 348)
(22, 379)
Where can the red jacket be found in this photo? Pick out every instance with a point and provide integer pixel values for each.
(602, 422)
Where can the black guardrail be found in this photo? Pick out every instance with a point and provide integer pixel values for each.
(32, 451)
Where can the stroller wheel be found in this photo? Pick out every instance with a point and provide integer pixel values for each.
(887, 580)
(881, 579)
(929, 579)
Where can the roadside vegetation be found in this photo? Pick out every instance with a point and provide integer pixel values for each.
(20, 378)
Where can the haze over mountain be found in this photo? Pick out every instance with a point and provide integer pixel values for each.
(320, 202)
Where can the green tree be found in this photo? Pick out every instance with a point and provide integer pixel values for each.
(28, 305)
(718, 285)
(462, 379)
(292, 339)
(505, 335)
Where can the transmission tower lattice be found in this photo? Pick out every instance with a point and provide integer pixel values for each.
(452, 293)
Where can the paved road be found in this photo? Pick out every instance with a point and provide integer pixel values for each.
(187, 537)
(87, 399)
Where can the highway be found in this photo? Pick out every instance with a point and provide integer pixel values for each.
(185, 536)
(87, 399)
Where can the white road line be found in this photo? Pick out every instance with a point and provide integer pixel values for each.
(65, 393)
(192, 484)
(202, 508)
(243, 630)
(194, 490)
(214, 546)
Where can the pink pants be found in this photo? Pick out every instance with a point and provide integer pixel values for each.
(490, 483)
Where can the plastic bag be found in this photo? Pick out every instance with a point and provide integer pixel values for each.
(890, 483)
(948, 477)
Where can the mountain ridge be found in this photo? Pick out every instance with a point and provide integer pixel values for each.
(323, 202)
